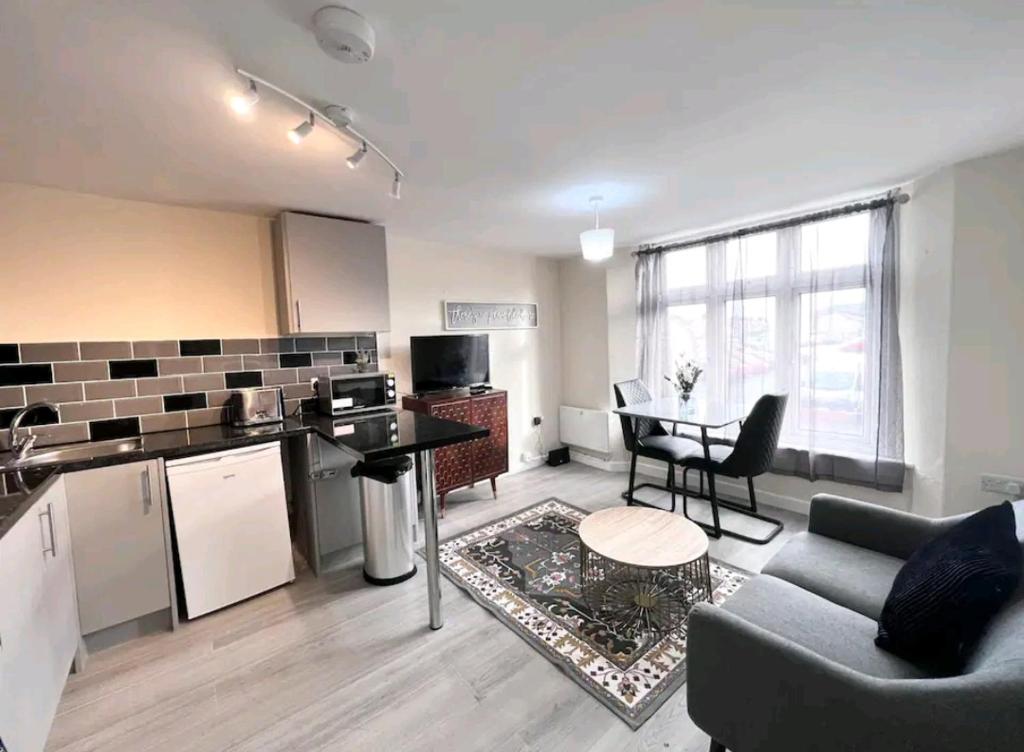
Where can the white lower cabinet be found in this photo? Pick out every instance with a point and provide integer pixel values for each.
(39, 629)
(118, 535)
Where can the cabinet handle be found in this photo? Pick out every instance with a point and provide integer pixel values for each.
(52, 550)
(298, 316)
(147, 493)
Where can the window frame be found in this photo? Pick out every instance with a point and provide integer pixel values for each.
(786, 286)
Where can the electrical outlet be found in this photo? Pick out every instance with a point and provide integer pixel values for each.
(1003, 485)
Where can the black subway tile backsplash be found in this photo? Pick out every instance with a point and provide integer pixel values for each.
(138, 382)
(341, 343)
(243, 379)
(9, 353)
(175, 402)
(38, 417)
(310, 344)
(295, 360)
(40, 373)
(132, 369)
(200, 347)
(119, 428)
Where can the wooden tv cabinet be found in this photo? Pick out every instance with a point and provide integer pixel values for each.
(462, 465)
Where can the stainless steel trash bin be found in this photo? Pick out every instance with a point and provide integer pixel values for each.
(387, 500)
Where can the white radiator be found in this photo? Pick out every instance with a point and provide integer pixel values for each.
(584, 429)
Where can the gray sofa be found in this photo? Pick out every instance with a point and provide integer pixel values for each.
(789, 662)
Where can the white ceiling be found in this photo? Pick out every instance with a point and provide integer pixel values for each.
(506, 116)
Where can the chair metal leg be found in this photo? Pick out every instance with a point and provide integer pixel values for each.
(747, 511)
(713, 498)
(685, 491)
(701, 474)
(670, 481)
(753, 496)
(632, 477)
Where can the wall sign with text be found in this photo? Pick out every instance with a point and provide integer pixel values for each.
(490, 315)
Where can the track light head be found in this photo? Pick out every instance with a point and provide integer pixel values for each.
(297, 134)
(396, 187)
(357, 157)
(243, 103)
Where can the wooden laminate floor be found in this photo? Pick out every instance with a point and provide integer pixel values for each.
(335, 664)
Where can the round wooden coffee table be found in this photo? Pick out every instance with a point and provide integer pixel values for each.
(642, 570)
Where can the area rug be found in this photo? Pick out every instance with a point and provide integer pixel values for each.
(524, 569)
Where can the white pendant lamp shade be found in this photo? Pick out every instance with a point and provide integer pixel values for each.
(597, 244)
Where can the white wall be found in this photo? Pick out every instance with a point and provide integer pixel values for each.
(526, 362)
(985, 403)
(926, 269)
(584, 319)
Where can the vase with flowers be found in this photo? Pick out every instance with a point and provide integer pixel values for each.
(686, 375)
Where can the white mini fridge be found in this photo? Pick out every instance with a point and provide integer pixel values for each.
(231, 525)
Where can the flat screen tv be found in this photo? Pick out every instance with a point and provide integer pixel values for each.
(450, 361)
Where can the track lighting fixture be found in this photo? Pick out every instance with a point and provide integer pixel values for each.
(357, 157)
(243, 103)
(334, 118)
(297, 134)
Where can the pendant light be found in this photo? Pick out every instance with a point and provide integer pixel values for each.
(597, 244)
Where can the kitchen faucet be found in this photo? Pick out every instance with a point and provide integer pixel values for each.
(20, 448)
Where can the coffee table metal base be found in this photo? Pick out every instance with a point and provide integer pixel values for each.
(642, 603)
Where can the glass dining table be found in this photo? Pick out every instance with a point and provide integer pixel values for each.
(705, 416)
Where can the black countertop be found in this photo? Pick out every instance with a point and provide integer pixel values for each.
(367, 437)
(377, 436)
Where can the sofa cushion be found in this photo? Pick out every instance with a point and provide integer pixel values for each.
(949, 590)
(830, 630)
(858, 578)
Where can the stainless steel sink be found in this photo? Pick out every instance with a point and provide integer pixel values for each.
(72, 452)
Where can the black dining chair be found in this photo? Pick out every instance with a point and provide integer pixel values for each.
(750, 455)
(645, 437)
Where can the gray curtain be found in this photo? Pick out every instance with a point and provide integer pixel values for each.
(884, 468)
(782, 312)
(651, 323)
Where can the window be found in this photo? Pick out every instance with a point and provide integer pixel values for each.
(786, 311)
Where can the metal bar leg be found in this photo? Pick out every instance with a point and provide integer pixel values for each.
(753, 496)
(711, 482)
(425, 468)
(670, 481)
(632, 474)
(686, 471)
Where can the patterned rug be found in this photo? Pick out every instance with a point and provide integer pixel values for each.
(524, 569)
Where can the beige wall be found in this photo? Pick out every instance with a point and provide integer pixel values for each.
(526, 362)
(83, 267)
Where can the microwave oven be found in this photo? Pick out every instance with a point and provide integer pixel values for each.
(355, 393)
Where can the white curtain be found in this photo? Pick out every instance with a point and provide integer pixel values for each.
(652, 324)
(810, 310)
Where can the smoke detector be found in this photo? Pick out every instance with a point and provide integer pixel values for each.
(344, 34)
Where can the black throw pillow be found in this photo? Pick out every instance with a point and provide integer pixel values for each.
(949, 590)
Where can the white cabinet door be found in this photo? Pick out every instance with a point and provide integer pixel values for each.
(231, 525)
(38, 620)
(117, 534)
(334, 273)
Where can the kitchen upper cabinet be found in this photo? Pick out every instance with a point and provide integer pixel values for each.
(39, 631)
(118, 537)
(332, 275)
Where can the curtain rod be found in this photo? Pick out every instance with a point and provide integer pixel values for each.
(897, 197)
